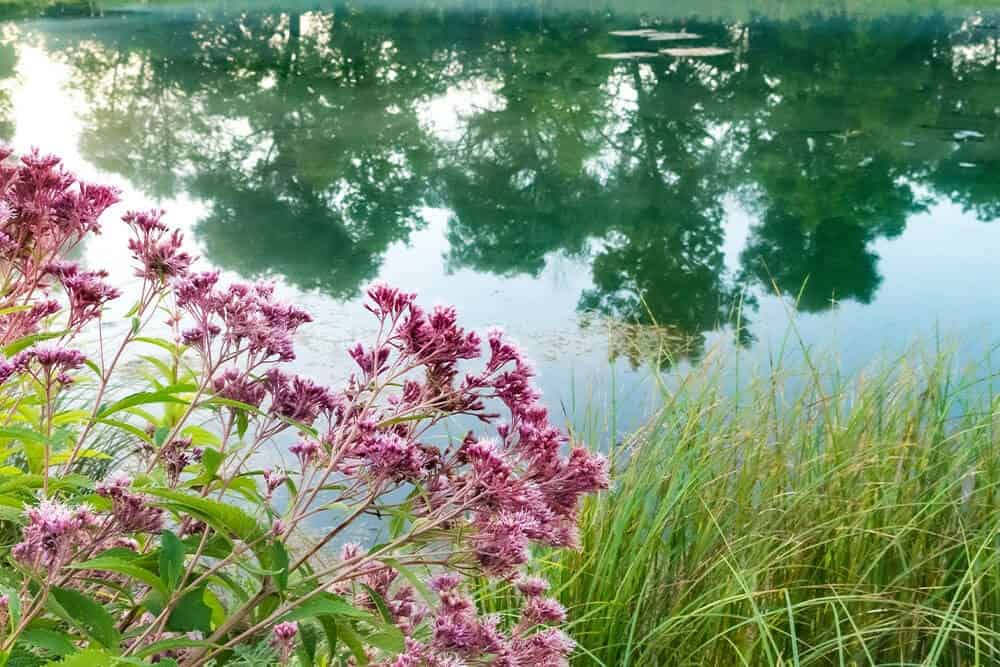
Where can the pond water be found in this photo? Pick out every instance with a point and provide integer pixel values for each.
(841, 168)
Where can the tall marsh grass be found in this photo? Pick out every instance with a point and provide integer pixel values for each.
(846, 522)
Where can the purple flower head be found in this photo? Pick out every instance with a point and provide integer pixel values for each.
(371, 362)
(501, 545)
(132, 512)
(178, 454)
(307, 451)
(88, 292)
(390, 456)
(532, 586)
(388, 302)
(444, 582)
(237, 385)
(196, 290)
(272, 480)
(283, 639)
(297, 398)
(55, 532)
(540, 610)
(159, 251)
(548, 647)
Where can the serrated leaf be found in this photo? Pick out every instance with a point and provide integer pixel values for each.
(54, 642)
(326, 604)
(87, 658)
(227, 519)
(106, 563)
(87, 615)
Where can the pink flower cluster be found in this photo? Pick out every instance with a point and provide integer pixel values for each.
(44, 212)
(132, 511)
(246, 317)
(519, 488)
(54, 534)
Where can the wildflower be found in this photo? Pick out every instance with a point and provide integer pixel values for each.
(283, 639)
(159, 251)
(306, 450)
(544, 610)
(387, 301)
(532, 586)
(88, 292)
(297, 398)
(131, 511)
(178, 454)
(272, 480)
(55, 532)
(236, 385)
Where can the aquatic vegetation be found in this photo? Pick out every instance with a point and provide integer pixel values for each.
(189, 554)
(800, 518)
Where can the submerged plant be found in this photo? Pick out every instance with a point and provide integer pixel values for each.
(193, 555)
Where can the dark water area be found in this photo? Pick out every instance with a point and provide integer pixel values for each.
(836, 167)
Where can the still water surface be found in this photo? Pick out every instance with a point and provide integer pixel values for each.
(491, 158)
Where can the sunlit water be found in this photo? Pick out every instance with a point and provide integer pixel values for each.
(492, 159)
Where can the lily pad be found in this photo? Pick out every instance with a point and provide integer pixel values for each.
(628, 55)
(670, 36)
(632, 33)
(696, 52)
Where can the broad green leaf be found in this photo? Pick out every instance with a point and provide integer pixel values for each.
(26, 342)
(227, 519)
(389, 638)
(279, 563)
(87, 658)
(54, 642)
(347, 634)
(106, 563)
(87, 615)
(326, 604)
(165, 395)
(171, 560)
(191, 613)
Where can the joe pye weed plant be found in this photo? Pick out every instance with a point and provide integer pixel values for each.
(187, 559)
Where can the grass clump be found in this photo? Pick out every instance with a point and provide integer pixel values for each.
(841, 523)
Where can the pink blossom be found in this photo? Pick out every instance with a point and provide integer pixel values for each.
(131, 511)
(55, 532)
(283, 639)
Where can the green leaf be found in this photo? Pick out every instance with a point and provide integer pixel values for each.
(211, 459)
(169, 644)
(87, 658)
(191, 613)
(279, 564)
(242, 423)
(87, 615)
(353, 640)
(14, 602)
(326, 604)
(330, 630)
(306, 646)
(389, 638)
(54, 642)
(106, 563)
(165, 395)
(26, 342)
(159, 342)
(226, 519)
(171, 560)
